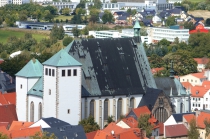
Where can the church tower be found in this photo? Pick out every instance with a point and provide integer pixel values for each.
(137, 28)
(62, 88)
(25, 80)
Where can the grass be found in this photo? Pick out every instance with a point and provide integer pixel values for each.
(63, 17)
(5, 34)
(200, 13)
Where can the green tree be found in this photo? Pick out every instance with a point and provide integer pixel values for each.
(1, 20)
(207, 127)
(107, 17)
(47, 15)
(143, 122)
(207, 22)
(85, 31)
(164, 42)
(94, 15)
(89, 124)
(193, 132)
(97, 4)
(170, 21)
(61, 32)
(44, 135)
(66, 11)
(113, 1)
(67, 40)
(53, 33)
(76, 32)
(109, 120)
(156, 61)
(3, 136)
(10, 19)
(189, 25)
(143, 31)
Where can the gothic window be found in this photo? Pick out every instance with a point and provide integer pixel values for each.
(106, 108)
(32, 111)
(40, 110)
(161, 114)
(181, 107)
(119, 108)
(132, 103)
(92, 107)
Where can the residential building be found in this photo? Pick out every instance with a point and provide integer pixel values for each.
(111, 6)
(19, 2)
(175, 120)
(7, 83)
(4, 2)
(61, 5)
(202, 62)
(200, 96)
(194, 78)
(156, 34)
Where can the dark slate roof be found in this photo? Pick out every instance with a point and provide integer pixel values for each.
(164, 14)
(179, 117)
(54, 122)
(122, 18)
(67, 132)
(110, 66)
(175, 11)
(7, 83)
(119, 12)
(180, 7)
(150, 97)
(198, 18)
(167, 85)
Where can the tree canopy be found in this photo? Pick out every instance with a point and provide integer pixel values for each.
(89, 124)
(107, 17)
(143, 122)
(193, 132)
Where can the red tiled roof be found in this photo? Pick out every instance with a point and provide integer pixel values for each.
(206, 84)
(199, 31)
(131, 122)
(91, 135)
(8, 113)
(27, 132)
(199, 91)
(10, 97)
(201, 118)
(4, 131)
(17, 125)
(188, 117)
(202, 60)
(141, 110)
(199, 75)
(5, 124)
(186, 85)
(155, 70)
(178, 130)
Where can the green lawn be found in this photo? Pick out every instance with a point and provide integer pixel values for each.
(4, 34)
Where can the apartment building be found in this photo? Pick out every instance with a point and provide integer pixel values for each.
(156, 34)
(4, 2)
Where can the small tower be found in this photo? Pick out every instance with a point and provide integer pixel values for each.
(171, 71)
(62, 88)
(25, 80)
(137, 28)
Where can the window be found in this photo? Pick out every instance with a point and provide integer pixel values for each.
(46, 71)
(21, 86)
(92, 107)
(193, 98)
(206, 105)
(32, 112)
(69, 72)
(193, 105)
(68, 111)
(49, 72)
(63, 73)
(191, 80)
(119, 108)
(183, 79)
(49, 91)
(198, 98)
(132, 103)
(40, 110)
(206, 99)
(198, 105)
(75, 72)
(53, 72)
(106, 108)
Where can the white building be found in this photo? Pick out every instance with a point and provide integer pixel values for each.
(44, 91)
(4, 2)
(156, 34)
(116, 34)
(19, 2)
(194, 78)
(61, 5)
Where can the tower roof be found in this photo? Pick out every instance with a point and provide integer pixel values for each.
(32, 69)
(62, 59)
(137, 25)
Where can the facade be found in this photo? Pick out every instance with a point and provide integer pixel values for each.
(157, 34)
(116, 34)
(4, 2)
(61, 5)
(19, 2)
(194, 78)
(202, 62)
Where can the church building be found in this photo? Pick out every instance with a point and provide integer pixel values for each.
(98, 77)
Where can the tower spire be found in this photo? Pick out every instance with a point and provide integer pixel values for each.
(171, 71)
(137, 28)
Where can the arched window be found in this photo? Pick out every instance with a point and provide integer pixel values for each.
(119, 108)
(132, 103)
(106, 109)
(32, 111)
(40, 110)
(181, 107)
(92, 107)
